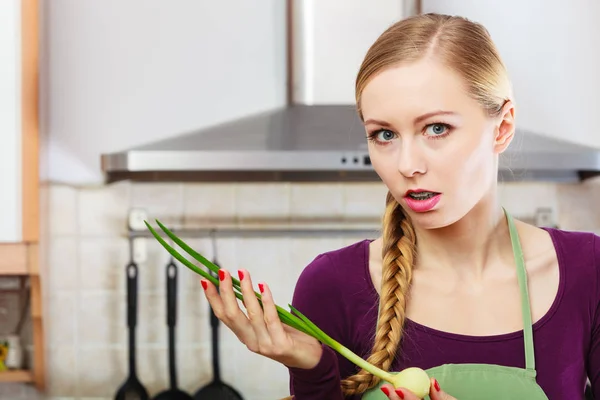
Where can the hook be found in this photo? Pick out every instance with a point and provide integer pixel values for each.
(131, 255)
(171, 259)
(213, 236)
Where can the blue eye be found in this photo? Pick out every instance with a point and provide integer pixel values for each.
(384, 135)
(437, 129)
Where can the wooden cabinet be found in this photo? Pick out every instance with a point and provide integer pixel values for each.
(19, 165)
(19, 184)
(10, 134)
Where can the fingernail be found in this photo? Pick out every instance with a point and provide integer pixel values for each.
(204, 284)
(221, 274)
(436, 385)
(385, 390)
(261, 287)
(241, 275)
(399, 393)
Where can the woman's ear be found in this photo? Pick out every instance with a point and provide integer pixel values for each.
(505, 130)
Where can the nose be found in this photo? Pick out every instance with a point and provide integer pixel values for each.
(411, 160)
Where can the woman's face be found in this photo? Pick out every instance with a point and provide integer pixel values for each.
(427, 134)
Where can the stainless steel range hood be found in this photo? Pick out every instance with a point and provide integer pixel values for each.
(311, 140)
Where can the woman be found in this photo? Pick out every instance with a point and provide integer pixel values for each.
(444, 288)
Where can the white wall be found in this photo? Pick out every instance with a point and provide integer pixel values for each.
(552, 51)
(123, 73)
(10, 121)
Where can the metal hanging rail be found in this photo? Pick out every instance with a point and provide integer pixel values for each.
(257, 232)
(258, 227)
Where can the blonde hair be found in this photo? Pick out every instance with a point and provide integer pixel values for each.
(467, 48)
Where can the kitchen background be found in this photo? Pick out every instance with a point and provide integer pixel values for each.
(117, 74)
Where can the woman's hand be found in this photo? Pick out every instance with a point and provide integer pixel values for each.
(261, 330)
(435, 392)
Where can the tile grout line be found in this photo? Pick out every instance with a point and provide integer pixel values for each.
(77, 292)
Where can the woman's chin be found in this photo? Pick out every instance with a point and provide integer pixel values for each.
(430, 220)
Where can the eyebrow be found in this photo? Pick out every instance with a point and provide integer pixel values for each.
(433, 114)
(374, 121)
(419, 119)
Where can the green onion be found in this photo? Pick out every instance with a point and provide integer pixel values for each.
(284, 316)
(295, 318)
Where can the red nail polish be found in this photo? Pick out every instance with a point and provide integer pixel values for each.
(241, 275)
(204, 284)
(399, 393)
(261, 287)
(385, 390)
(436, 385)
(221, 274)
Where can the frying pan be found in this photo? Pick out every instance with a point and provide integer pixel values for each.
(173, 393)
(132, 388)
(217, 389)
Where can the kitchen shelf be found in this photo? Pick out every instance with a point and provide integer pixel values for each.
(14, 259)
(23, 259)
(16, 376)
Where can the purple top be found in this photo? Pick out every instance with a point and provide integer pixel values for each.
(335, 291)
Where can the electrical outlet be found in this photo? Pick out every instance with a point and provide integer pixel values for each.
(136, 219)
(140, 250)
(544, 217)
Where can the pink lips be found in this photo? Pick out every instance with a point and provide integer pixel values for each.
(422, 205)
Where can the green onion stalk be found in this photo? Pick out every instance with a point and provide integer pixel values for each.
(414, 379)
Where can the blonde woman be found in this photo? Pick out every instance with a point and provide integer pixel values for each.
(490, 307)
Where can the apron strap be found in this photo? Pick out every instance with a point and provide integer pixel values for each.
(525, 306)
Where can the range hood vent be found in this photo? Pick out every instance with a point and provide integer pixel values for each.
(318, 136)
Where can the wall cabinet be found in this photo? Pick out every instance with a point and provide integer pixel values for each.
(18, 124)
(10, 135)
(19, 165)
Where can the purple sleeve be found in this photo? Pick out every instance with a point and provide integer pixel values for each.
(320, 383)
(317, 295)
(594, 353)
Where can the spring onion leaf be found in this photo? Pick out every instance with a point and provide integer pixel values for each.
(210, 265)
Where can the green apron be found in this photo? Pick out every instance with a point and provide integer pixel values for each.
(488, 381)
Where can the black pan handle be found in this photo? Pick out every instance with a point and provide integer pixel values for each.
(131, 271)
(132, 278)
(171, 319)
(214, 323)
(171, 294)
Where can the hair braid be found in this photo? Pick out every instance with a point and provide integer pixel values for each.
(398, 253)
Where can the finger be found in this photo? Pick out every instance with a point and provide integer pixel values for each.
(240, 326)
(211, 294)
(389, 391)
(271, 317)
(254, 310)
(231, 309)
(406, 394)
(398, 394)
(436, 393)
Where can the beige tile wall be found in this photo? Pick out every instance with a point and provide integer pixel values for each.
(87, 251)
